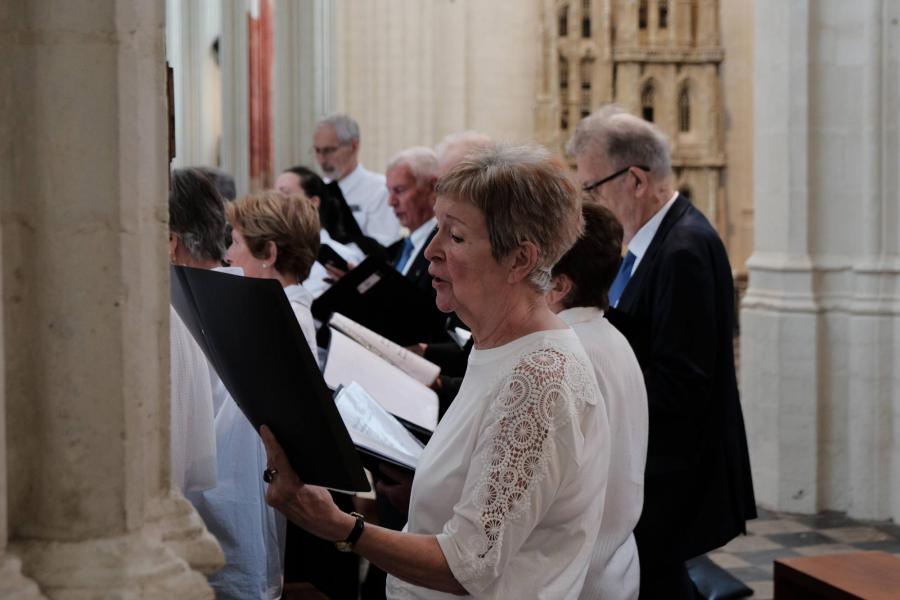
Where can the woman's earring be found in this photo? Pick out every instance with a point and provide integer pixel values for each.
(265, 266)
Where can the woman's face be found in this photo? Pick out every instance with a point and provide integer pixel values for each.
(466, 276)
(239, 255)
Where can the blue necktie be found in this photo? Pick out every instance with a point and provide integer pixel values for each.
(404, 256)
(621, 280)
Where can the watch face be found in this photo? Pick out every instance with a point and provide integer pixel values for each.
(343, 546)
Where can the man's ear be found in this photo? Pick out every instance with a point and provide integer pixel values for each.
(562, 287)
(173, 247)
(522, 262)
(641, 181)
(316, 201)
(354, 145)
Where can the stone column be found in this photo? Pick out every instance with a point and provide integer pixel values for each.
(304, 77)
(85, 296)
(872, 474)
(780, 314)
(191, 29)
(234, 58)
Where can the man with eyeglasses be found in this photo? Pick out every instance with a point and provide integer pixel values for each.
(674, 302)
(336, 144)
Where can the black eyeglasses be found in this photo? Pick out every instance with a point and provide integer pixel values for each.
(590, 187)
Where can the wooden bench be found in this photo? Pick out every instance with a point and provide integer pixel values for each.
(857, 575)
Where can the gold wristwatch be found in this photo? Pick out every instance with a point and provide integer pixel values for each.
(347, 545)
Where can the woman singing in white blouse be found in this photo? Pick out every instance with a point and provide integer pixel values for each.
(273, 237)
(507, 498)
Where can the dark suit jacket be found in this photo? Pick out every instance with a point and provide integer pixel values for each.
(418, 271)
(677, 312)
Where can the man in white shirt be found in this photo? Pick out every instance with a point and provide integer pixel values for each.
(411, 177)
(336, 143)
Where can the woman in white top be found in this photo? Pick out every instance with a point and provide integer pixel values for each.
(581, 280)
(507, 498)
(273, 237)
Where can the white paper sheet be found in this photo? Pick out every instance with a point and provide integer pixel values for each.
(420, 369)
(373, 428)
(395, 391)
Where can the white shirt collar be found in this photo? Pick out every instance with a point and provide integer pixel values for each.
(352, 179)
(579, 314)
(641, 240)
(418, 238)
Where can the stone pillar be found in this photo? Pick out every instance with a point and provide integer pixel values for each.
(12, 583)
(821, 323)
(304, 77)
(191, 29)
(872, 472)
(780, 314)
(85, 297)
(234, 53)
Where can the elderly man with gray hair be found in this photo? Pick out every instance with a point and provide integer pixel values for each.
(411, 177)
(336, 143)
(673, 299)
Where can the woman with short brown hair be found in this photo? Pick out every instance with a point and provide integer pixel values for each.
(507, 496)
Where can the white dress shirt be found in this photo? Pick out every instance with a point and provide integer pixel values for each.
(513, 480)
(251, 533)
(614, 573)
(641, 240)
(367, 195)
(193, 440)
(418, 239)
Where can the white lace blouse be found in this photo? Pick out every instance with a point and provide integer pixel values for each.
(513, 480)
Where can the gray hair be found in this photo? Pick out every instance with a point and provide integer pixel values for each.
(456, 146)
(421, 161)
(526, 196)
(222, 181)
(197, 214)
(623, 139)
(345, 128)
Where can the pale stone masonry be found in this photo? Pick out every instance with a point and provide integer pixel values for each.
(83, 224)
(820, 338)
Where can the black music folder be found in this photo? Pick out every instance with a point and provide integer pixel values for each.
(376, 296)
(249, 333)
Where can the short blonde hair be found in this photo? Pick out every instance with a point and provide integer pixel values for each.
(291, 222)
(526, 196)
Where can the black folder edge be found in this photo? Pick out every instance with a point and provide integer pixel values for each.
(423, 434)
(185, 304)
(329, 256)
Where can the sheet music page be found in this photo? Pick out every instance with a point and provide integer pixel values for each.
(373, 428)
(420, 369)
(394, 390)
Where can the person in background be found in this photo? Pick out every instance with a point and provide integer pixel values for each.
(222, 181)
(339, 230)
(581, 280)
(673, 298)
(274, 237)
(456, 146)
(508, 493)
(196, 230)
(336, 144)
(411, 176)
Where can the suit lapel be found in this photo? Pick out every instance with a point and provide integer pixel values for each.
(420, 263)
(638, 279)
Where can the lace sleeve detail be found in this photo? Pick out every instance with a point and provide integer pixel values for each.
(545, 391)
